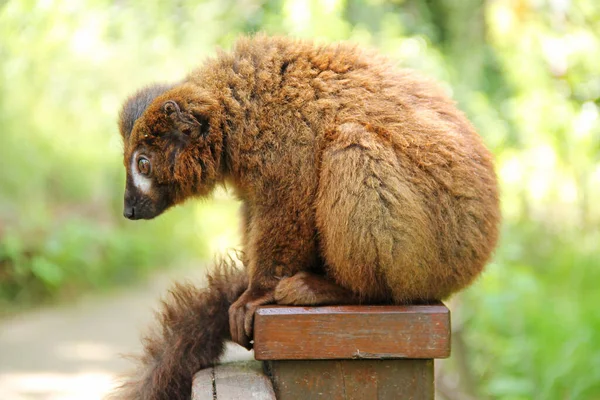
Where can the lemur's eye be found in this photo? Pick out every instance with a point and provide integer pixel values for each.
(144, 166)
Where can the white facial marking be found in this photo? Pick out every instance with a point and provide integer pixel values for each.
(139, 181)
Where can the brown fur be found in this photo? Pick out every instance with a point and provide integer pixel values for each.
(193, 327)
(364, 174)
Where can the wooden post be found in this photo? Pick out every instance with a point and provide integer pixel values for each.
(352, 352)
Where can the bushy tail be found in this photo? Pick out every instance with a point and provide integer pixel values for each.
(193, 327)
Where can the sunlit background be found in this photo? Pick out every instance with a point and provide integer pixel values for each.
(527, 72)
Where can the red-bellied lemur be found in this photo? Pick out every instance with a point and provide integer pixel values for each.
(360, 183)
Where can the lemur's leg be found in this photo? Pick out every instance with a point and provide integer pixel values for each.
(376, 236)
(281, 242)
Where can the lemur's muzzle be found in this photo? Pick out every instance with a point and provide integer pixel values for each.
(129, 212)
(137, 205)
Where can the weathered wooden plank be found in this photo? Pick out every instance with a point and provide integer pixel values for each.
(306, 380)
(389, 379)
(243, 381)
(351, 332)
(353, 379)
(236, 381)
(203, 385)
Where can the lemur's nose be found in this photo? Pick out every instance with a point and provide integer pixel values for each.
(129, 212)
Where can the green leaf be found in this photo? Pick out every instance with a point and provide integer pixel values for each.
(50, 273)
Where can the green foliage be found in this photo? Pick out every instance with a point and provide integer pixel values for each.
(526, 72)
(532, 323)
(65, 69)
(60, 258)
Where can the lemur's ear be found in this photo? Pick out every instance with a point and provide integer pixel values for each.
(190, 124)
(171, 107)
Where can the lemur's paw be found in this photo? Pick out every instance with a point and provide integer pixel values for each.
(241, 315)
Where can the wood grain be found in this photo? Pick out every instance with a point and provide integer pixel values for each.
(236, 381)
(352, 379)
(203, 384)
(352, 332)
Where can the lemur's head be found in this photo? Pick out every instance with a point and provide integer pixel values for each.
(171, 150)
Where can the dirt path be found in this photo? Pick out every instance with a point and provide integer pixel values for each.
(72, 351)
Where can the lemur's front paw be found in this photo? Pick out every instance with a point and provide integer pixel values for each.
(241, 314)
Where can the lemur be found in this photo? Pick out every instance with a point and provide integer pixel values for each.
(360, 183)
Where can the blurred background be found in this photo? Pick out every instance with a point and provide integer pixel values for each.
(76, 277)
